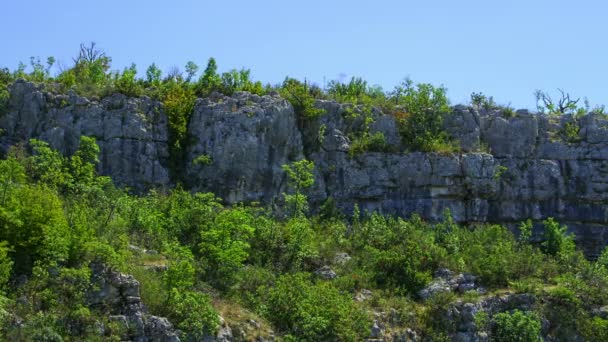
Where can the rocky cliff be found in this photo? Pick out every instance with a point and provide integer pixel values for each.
(512, 167)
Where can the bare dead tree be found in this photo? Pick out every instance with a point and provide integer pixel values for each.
(563, 106)
(89, 53)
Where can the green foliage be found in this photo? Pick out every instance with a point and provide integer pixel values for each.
(300, 177)
(203, 159)
(556, 240)
(6, 78)
(299, 244)
(33, 223)
(126, 83)
(193, 314)
(6, 266)
(225, 246)
(47, 165)
(239, 80)
(191, 70)
(499, 172)
(397, 254)
(594, 329)
(368, 143)
(482, 320)
(314, 312)
(12, 173)
(356, 91)
(517, 326)
(210, 81)
(479, 100)
(301, 98)
(571, 132)
(546, 105)
(89, 75)
(178, 101)
(180, 274)
(153, 75)
(423, 109)
(492, 253)
(525, 231)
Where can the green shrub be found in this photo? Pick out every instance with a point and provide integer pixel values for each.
(300, 96)
(368, 143)
(203, 159)
(193, 314)
(5, 79)
(89, 75)
(300, 177)
(356, 91)
(224, 245)
(556, 241)
(178, 102)
(32, 221)
(314, 312)
(570, 132)
(517, 326)
(594, 329)
(424, 108)
(126, 83)
(6, 266)
(239, 80)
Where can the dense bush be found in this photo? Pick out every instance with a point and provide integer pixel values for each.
(314, 312)
(517, 326)
(423, 108)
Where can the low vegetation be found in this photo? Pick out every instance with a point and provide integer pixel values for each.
(57, 218)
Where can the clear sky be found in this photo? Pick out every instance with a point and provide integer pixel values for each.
(503, 48)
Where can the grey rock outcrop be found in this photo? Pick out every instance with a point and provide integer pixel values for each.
(247, 138)
(512, 167)
(131, 132)
(326, 273)
(460, 316)
(445, 281)
(118, 295)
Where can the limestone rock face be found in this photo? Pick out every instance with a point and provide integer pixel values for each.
(131, 132)
(247, 139)
(513, 166)
(512, 169)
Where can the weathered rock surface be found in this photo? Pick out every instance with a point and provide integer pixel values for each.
(511, 168)
(247, 138)
(461, 315)
(131, 132)
(445, 280)
(118, 294)
(528, 169)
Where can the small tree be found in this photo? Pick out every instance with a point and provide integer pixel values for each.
(525, 231)
(556, 240)
(300, 177)
(191, 70)
(225, 245)
(153, 75)
(210, 81)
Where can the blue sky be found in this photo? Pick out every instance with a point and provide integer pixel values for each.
(502, 48)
